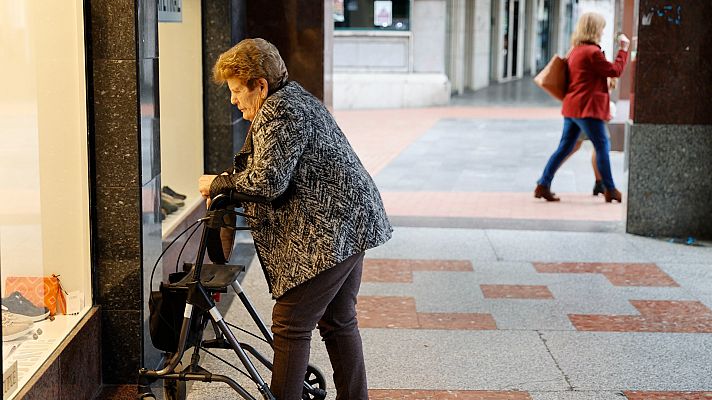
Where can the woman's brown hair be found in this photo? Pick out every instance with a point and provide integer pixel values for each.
(589, 29)
(250, 60)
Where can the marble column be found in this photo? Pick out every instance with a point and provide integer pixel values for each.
(225, 130)
(124, 146)
(670, 142)
(299, 29)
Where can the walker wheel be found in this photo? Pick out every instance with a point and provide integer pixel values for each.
(316, 379)
(39, 331)
(51, 317)
(34, 336)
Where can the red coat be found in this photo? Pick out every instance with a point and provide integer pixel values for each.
(587, 95)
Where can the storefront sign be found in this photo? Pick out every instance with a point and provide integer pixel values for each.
(383, 13)
(170, 10)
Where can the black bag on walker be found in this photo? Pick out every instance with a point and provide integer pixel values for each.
(166, 308)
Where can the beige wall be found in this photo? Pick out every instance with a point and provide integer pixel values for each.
(181, 101)
(44, 206)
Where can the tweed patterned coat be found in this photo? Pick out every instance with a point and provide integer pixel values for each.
(324, 205)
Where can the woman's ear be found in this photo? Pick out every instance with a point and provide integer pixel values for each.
(264, 87)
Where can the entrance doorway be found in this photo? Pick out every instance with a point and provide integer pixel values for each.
(508, 46)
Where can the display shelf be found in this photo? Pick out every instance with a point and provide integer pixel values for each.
(30, 353)
(175, 219)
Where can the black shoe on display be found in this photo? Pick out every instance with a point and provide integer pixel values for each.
(16, 303)
(167, 190)
(169, 205)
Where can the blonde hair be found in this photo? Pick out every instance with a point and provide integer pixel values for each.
(250, 60)
(589, 29)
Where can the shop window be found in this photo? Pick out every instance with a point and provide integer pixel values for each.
(372, 14)
(181, 99)
(44, 197)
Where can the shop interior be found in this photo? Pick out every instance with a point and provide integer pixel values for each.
(44, 206)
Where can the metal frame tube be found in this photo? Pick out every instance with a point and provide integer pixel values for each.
(253, 313)
(240, 352)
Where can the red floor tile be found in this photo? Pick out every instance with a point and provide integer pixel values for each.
(457, 321)
(516, 292)
(668, 395)
(619, 274)
(400, 312)
(407, 394)
(399, 270)
(655, 316)
(386, 312)
(503, 205)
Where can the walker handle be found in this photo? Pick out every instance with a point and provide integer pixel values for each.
(238, 197)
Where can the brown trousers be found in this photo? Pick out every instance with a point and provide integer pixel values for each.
(328, 299)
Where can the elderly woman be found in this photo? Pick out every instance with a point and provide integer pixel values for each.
(586, 104)
(324, 211)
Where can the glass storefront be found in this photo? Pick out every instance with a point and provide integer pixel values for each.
(44, 197)
(181, 97)
(370, 14)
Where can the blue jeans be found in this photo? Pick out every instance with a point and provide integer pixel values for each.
(596, 131)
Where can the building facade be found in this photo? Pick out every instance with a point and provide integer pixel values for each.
(432, 49)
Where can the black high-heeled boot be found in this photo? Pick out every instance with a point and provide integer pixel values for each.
(598, 188)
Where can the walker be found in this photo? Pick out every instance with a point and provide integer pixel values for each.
(188, 302)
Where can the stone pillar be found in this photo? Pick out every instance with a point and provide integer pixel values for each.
(224, 129)
(125, 153)
(670, 141)
(297, 28)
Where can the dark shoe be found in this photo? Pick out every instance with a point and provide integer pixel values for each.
(173, 193)
(168, 204)
(16, 303)
(611, 195)
(545, 192)
(598, 188)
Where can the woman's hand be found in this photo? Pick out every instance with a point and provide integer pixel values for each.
(204, 185)
(624, 41)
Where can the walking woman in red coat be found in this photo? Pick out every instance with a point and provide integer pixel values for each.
(586, 104)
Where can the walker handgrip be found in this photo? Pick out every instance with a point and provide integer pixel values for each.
(238, 197)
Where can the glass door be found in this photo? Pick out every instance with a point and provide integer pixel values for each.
(511, 52)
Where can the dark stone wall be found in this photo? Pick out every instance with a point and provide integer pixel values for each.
(301, 30)
(73, 371)
(670, 141)
(674, 63)
(223, 24)
(125, 154)
(296, 27)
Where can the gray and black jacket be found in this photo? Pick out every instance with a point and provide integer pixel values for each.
(324, 206)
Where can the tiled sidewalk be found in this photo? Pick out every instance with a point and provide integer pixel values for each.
(505, 314)
(502, 314)
(474, 162)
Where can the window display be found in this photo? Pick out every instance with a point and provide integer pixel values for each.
(372, 15)
(45, 282)
(181, 94)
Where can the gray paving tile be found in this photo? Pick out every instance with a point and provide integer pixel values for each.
(564, 246)
(518, 314)
(476, 155)
(660, 250)
(633, 361)
(433, 243)
(482, 360)
(697, 278)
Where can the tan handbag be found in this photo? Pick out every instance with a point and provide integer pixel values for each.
(553, 78)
